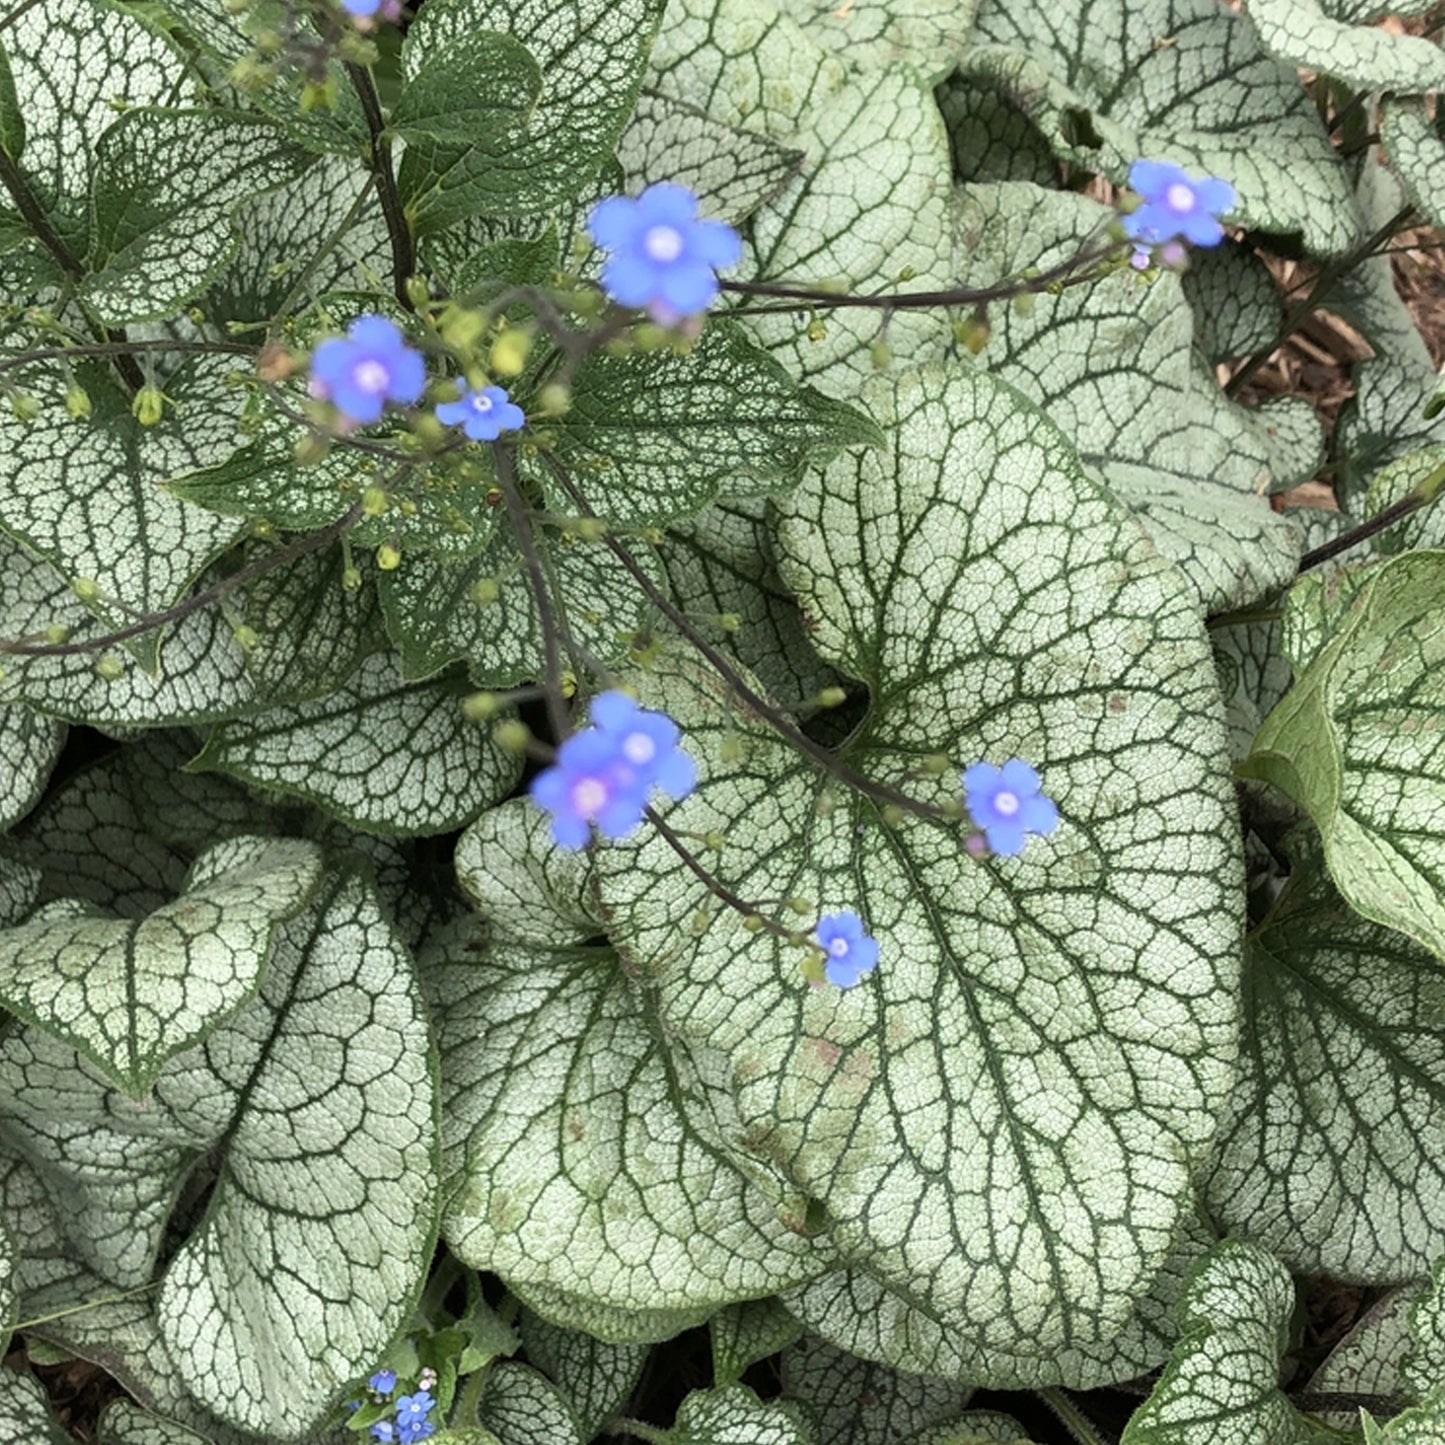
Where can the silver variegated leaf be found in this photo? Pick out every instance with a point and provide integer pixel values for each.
(964, 1139)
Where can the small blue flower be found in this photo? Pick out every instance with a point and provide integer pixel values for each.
(604, 773)
(368, 367)
(412, 1410)
(420, 1431)
(1176, 206)
(484, 415)
(383, 1382)
(664, 256)
(848, 951)
(383, 1431)
(647, 742)
(1006, 803)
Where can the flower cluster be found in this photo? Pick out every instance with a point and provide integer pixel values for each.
(371, 365)
(412, 1413)
(605, 773)
(1174, 208)
(664, 256)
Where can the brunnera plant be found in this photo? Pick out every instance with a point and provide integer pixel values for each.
(657, 727)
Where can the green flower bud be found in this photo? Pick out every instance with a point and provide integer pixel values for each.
(387, 557)
(25, 406)
(109, 669)
(149, 405)
(511, 735)
(77, 402)
(374, 501)
(480, 706)
(485, 591)
(85, 588)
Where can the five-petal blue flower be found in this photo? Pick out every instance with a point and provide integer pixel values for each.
(383, 1382)
(848, 951)
(1175, 206)
(412, 1410)
(1007, 803)
(664, 256)
(484, 415)
(384, 1431)
(605, 773)
(420, 1430)
(371, 365)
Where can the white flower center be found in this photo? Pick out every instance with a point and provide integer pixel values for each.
(481, 402)
(1006, 803)
(1180, 197)
(838, 947)
(663, 243)
(588, 796)
(371, 375)
(638, 748)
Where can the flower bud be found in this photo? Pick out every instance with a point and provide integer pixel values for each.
(554, 399)
(387, 557)
(509, 352)
(25, 406)
(831, 697)
(485, 591)
(85, 588)
(350, 579)
(77, 401)
(511, 735)
(881, 355)
(149, 405)
(109, 669)
(817, 330)
(480, 706)
(374, 501)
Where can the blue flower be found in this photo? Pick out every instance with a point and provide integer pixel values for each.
(484, 415)
(1175, 206)
(412, 1410)
(420, 1431)
(647, 742)
(848, 952)
(664, 255)
(368, 367)
(383, 1382)
(604, 773)
(1006, 803)
(384, 1431)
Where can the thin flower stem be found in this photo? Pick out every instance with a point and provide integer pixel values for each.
(1324, 284)
(1074, 1420)
(465, 1413)
(311, 542)
(126, 348)
(714, 884)
(403, 258)
(34, 215)
(1062, 274)
(1378, 523)
(546, 619)
(775, 717)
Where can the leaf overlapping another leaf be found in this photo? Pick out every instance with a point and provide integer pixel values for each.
(999, 1121)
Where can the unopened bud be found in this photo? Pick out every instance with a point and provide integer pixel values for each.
(881, 355)
(485, 591)
(972, 332)
(85, 588)
(511, 735)
(77, 402)
(246, 637)
(481, 706)
(387, 557)
(553, 399)
(1023, 303)
(729, 621)
(892, 815)
(590, 529)
(935, 764)
(832, 697)
(108, 669)
(57, 633)
(509, 353)
(700, 922)
(800, 906)
(149, 405)
(25, 406)
(730, 750)
(374, 501)
(311, 449)
(753, 923)
(417, 292)
(817, 330)
(351, 579)
(318, 95)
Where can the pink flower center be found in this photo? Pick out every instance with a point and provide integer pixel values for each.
(663, 243)
(589, 796)
(638, 748)
(371, 376)
(1180, 197)
(1006, 803)
(838, 947)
